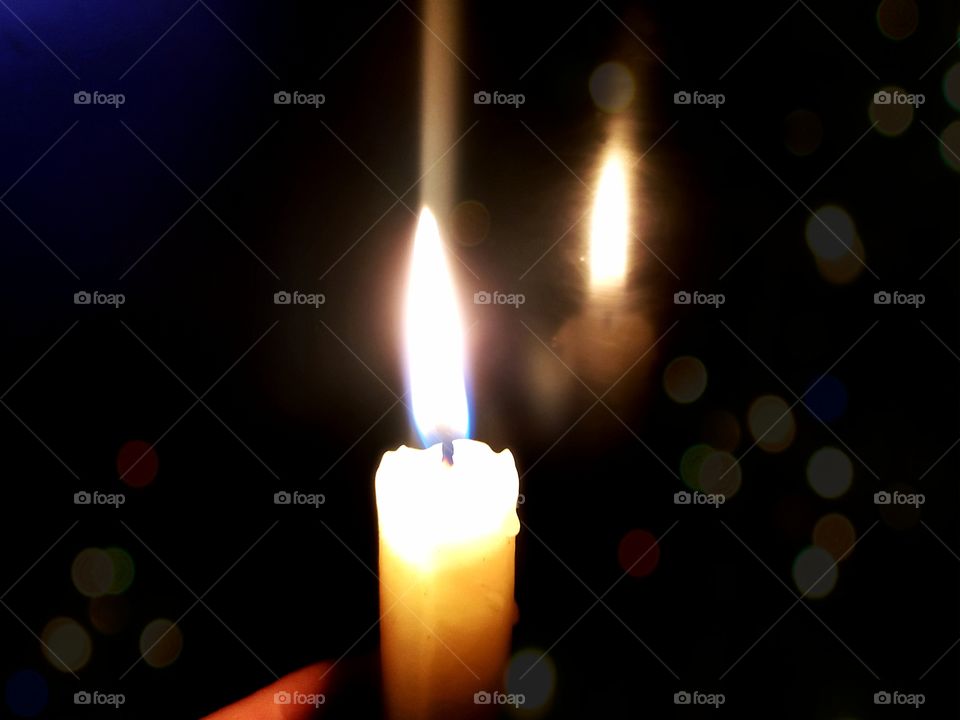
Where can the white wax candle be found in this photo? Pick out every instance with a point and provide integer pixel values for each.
(447, 537)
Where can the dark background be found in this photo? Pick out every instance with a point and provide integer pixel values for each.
(301, 410)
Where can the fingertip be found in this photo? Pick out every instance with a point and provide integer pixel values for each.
(296, 696)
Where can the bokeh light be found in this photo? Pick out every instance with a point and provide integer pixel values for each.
(835, 534)
(109, 614)
(123, 570)
(66, 644)
(612, 87)
(892, 119)
(951, 86)
(721, 430)
(846, 268)
(802, 132)
(92, 572)
(771, 423)
(815, 572)
(827, 398)
(685, 379)
(638, 553)
(469, 223)
(532, 673)
(836, 246)
(160, 643)
(690, 463)
(720, 474)
(137, 463)
(897, 19)
(26, 693)
(829, 472)
(950, 145)
(830, 232)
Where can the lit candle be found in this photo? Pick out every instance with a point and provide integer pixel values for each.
(448, 520)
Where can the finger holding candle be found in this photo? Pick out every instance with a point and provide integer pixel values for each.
(286, 699)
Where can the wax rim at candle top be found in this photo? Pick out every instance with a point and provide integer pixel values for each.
(434, 341)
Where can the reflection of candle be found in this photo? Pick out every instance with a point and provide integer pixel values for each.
(610, 225)
(608, 337)
(448, 520)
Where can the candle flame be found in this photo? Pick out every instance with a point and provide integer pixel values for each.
(610, 225)
(434, 340)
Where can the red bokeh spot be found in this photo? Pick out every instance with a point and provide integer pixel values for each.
(638, 553)
(137, 463)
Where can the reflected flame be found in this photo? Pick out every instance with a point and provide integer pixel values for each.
(434, 340)
(610, 225)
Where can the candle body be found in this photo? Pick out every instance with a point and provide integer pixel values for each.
(447, 546)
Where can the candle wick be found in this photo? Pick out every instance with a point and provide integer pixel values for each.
(447, 448)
